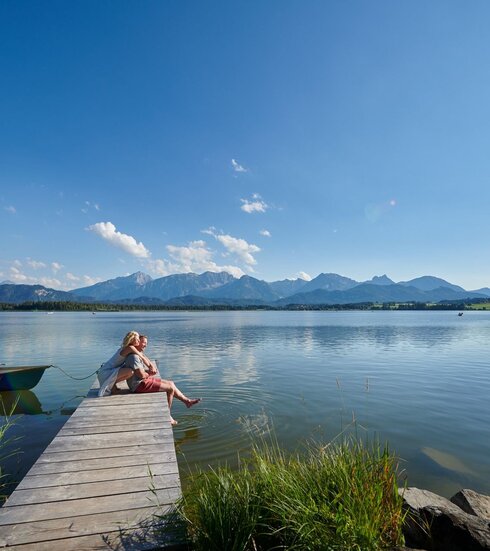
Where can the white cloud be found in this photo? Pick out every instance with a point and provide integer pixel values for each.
(50, 282)
(237, 246)
(235, 271)
(195, 254)
(35, 264)
(127, 243)
(237, 167)
(10, 209)
(265, 233)
(210, 231)
(196, 257)
(17, 263)
(304, 275)
(72, 277)
(160, 267)
(254, 205)
(17, 276)
(89, 205)
(88, 280)
(56, 266)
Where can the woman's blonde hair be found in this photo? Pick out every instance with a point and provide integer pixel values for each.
(129, 338)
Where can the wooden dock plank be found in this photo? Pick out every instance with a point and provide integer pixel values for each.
(72, 508)
(126, 401)
(134, 422)
(131, 540)
(128, 413)
(91, 488)
(111, 440)
(96, 475)
(74, 466)
(69, 527)
(99, 453)
(101, 428)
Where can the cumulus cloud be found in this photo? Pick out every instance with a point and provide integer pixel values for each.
(237, 246)
(10, 209)
(197, 257)
(89, 280)
(265, 233)
(194, 257)
(88, 206)
(35, 264)
(127, 243)
(255, 204)
(17, 276)
(50, 282)
(304, 275)
(237, 167)
(71, 277)
(56, 266)
(195, 254)
(160, 267)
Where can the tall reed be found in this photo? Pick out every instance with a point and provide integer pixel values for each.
(5, 424)
(337, 497)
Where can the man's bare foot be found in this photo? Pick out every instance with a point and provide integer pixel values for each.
(173, 422)
(189, 403)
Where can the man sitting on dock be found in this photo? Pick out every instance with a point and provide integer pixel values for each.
(148, 379)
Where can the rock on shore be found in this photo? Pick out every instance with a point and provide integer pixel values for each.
(438, 524)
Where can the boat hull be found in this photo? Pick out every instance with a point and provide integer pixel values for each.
(21, 378)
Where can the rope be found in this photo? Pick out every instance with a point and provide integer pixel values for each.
(75, 378)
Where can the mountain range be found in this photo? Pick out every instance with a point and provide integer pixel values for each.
(211, 288)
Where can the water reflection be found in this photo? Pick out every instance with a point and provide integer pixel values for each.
(15, 402)
(25, 402)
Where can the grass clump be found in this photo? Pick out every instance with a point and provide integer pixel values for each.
(343, 496)
(5, 425)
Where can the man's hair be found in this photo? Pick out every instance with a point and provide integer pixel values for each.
(143, 337)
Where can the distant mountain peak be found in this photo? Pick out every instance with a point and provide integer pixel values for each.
(429, 283)
(140, 278)
(329, 282)
(381, 280)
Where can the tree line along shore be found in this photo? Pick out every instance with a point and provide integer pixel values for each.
(62, 306)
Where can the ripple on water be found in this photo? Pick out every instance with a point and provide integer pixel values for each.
(222, 426)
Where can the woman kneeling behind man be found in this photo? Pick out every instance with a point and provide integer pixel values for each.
(140, 373)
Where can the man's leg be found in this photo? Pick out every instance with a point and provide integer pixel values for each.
(170, 388)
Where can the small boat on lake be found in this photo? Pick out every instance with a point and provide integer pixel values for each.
(22, 377)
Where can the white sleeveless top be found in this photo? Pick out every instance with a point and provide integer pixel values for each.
(108, 371)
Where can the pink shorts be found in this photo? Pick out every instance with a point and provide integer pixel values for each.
(150, 384)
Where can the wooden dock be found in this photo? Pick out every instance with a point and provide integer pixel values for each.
(91, 488)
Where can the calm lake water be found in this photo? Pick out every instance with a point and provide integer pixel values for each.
(418, 380)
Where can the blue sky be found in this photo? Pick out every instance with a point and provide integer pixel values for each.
(272, 138)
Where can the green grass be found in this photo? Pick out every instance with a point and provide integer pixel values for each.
(479, 306)
(4, 427)
(337, 497)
